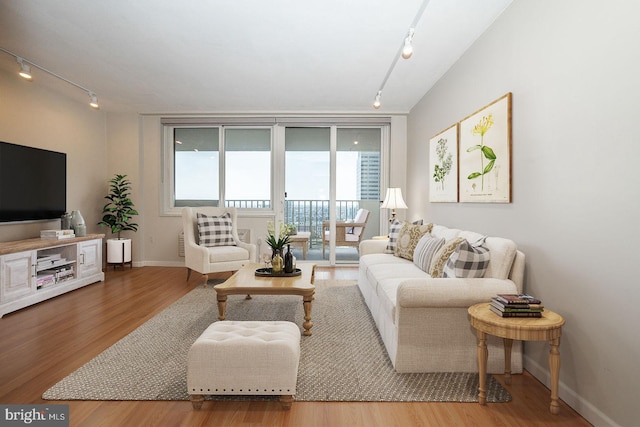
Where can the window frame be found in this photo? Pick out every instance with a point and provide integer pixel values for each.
(277, 126)
(168, 202)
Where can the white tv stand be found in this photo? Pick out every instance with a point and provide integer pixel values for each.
(35, 270)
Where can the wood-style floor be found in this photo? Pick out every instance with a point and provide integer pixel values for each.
(42, 344)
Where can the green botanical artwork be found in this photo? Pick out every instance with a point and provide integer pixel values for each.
(442, 169)
(485, 151)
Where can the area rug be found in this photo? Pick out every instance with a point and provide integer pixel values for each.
(344, 359)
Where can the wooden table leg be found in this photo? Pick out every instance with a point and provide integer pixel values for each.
(222, 306)
(306, 303)
(304, 249)
(507, 360)
(483, 354)
(554, 368)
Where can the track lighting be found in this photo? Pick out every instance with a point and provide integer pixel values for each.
(93, 100)
(25, 72)
(25, 69)
(376, 103)
(407, 49)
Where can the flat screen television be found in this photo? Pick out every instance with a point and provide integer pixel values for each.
(33, 183)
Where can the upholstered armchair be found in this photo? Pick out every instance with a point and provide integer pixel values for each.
(348, 233)
(212, 245)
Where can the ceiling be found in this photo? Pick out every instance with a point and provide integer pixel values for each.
(242, 56)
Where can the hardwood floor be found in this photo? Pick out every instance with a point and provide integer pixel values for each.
(42, 344)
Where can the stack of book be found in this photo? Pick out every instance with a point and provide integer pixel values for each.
(57, 234)
(516, 305)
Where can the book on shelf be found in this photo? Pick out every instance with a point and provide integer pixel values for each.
(44, 280)
(516, 314)
(517, 299)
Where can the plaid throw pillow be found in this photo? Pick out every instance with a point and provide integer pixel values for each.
(215, 230)
(468, 261)
(394, 232)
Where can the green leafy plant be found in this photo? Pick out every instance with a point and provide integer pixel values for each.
(277, 242)
(486, 152)
(118, 212)
(446, 161)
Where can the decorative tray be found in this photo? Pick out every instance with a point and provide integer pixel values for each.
(267, 272)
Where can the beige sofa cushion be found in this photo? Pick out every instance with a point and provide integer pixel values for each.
(408, 239)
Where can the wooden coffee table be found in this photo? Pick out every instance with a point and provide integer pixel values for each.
(546, 328)
(245, 282)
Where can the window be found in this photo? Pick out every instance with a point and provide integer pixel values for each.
(196, 162)
(248, 168)
(217, 165)
(241, 162)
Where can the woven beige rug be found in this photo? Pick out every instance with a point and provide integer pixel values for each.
(344, 359)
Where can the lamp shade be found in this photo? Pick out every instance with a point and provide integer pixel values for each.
(393, 199)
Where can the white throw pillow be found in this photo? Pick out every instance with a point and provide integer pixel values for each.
(425, 250)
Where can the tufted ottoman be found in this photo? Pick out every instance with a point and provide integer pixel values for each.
(245, 357)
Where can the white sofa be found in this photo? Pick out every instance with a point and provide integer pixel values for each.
(423, 321)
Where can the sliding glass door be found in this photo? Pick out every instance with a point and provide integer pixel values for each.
(332, 178)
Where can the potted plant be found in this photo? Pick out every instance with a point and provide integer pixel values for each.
(117, 215)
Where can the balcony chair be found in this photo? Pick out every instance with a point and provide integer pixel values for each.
(218, 247)
(348, 233)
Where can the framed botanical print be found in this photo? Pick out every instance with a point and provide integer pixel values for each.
(485, 154)
(443, 166)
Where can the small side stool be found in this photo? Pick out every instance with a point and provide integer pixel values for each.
(244, 358)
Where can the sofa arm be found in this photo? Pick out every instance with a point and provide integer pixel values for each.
(443, 292)
(373, 247)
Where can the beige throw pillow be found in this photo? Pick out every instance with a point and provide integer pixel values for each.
(439, 260)
(409, 237)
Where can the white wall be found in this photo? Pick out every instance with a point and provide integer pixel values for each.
(573, 68)
(34, 116)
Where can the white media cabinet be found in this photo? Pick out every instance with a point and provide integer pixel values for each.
(35, 270)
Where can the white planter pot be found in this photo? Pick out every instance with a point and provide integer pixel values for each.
(118, 251)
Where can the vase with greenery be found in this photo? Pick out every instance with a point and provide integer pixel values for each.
(277, 241)
(117, 214)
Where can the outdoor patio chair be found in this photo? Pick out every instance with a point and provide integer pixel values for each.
(348, 233)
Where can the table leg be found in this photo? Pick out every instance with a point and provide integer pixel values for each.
(306, 303)
(507, 360)
(304, 250)
(222, 306)
(483, 354)
(554, 367)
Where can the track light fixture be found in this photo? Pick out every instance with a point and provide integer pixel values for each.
(376, 102)
(407, 49)
(25, 69)
(25, 72)
(93, 100)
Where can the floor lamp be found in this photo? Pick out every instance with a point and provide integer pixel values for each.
(393, 200)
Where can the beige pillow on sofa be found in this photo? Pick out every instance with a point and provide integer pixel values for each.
(440, 258)
(408, 238)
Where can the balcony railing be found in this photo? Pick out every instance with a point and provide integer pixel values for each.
(307, 215)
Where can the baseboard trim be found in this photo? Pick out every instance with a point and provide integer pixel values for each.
(569, 396)
(159, 264)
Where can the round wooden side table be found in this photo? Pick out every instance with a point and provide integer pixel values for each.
(546, 328)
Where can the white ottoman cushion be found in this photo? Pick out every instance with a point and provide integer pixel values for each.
(245, 357)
